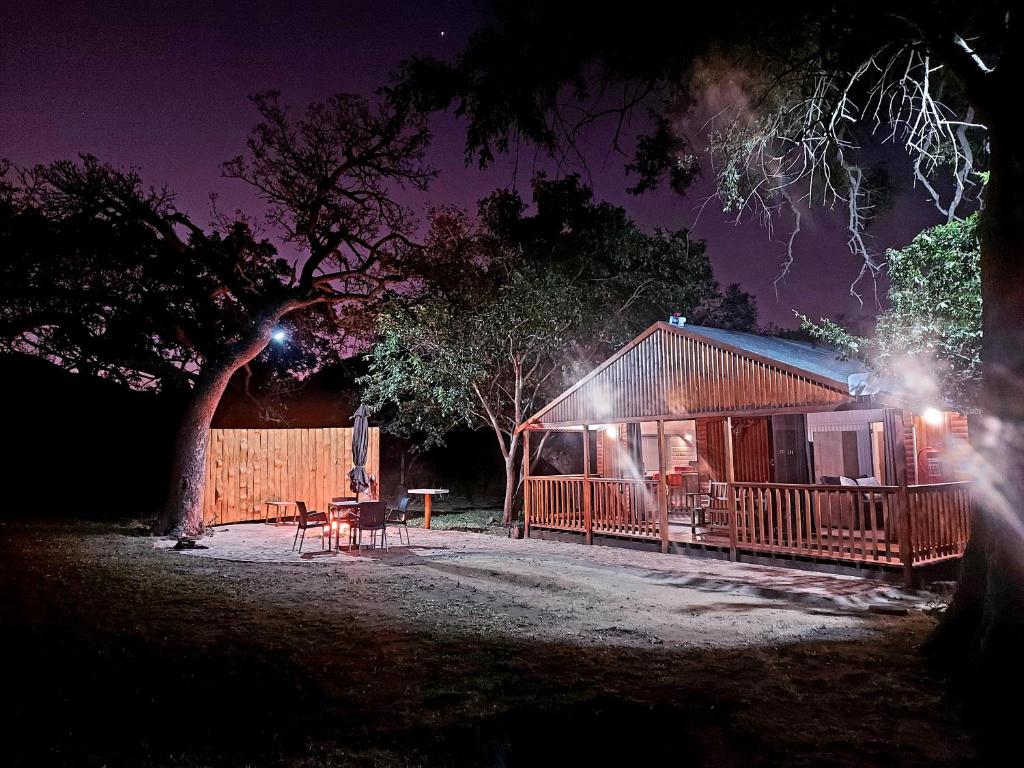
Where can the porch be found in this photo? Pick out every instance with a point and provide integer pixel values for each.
(743, 447)
(880, 527)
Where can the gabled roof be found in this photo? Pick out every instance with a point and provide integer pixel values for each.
(684, 371)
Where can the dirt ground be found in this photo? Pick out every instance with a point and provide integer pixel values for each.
(461, 649)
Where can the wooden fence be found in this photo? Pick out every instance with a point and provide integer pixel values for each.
(246, 467)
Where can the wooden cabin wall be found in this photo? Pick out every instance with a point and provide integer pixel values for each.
(945, 438)
(610, 451)
(909, 425)
(710, 450)
(670, 372)
(752, 450)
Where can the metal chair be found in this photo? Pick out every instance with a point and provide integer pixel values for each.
(399, 516)
(308, 520)
(372, 517)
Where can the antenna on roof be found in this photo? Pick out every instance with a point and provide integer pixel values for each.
(677, 319)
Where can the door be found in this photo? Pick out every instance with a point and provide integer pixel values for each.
(789, 437)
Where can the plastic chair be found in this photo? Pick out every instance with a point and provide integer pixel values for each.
(399, 516)
(308, 520)
(372, 517)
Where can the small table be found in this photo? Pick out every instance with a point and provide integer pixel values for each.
(428, 494)
(279, 510)
(332, 508)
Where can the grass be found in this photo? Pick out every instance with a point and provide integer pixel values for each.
(479, 519)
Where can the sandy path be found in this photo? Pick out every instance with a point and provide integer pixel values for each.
(476, 583)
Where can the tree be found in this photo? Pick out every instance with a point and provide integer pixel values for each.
(122, 283)
(538, 300)
(811, 85)
(734, 310)
(933, 318)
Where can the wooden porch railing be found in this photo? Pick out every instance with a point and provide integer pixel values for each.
(828, 522)
(619, 506)
(834, 522)
(940, 520)
(556, 501)
(623, 507)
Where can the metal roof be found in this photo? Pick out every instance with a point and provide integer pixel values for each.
(819, 359)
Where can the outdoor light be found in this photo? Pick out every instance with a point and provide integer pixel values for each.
(613, 431)
(933, 416)
(280, 335)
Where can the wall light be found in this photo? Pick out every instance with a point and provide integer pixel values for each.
(933, 416)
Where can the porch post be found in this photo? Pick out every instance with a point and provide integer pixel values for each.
(662, 488)
(588, 520)
(730, 478)
(896, 458)
(527, 490)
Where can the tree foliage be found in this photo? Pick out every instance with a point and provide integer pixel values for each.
(933, 320)
(538, 300)
(778, 106)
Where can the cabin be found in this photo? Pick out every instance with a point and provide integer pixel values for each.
(760, 449)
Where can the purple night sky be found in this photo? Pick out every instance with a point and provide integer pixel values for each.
(163, 86)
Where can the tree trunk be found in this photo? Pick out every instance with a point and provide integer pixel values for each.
(511, 480)
(183, 512)
(982, 634)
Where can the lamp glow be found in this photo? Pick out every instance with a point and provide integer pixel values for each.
(932, 416)
(612, 431)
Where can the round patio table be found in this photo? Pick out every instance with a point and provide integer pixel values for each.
(428, 494)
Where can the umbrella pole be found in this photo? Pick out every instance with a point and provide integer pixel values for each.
(426, 510)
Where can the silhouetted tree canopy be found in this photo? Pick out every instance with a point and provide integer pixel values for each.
(106, 276)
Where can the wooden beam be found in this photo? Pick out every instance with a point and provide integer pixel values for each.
(527, 490)
(555, 426)
(662, 488)
(730, 478)
(588, 518)
(896, 463)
